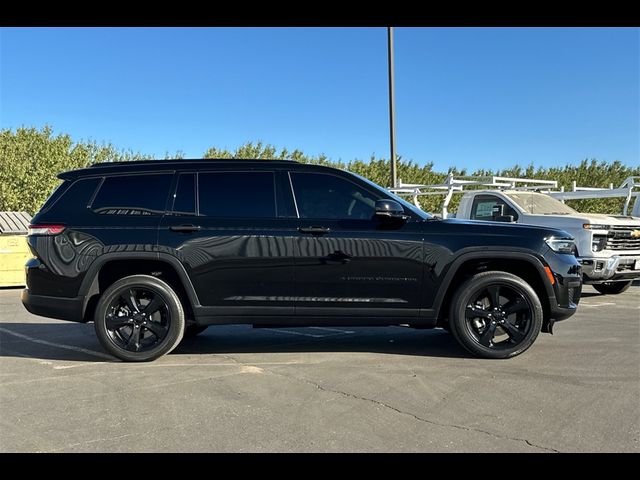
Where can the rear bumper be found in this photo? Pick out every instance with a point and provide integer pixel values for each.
(54, 307)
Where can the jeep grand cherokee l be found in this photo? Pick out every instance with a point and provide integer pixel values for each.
(151, 251)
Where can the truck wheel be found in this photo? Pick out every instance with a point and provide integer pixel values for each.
(139, 318)
(495, 315)
(612, 288)
(193, 330)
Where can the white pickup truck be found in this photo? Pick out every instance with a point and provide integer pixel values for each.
(608, 245)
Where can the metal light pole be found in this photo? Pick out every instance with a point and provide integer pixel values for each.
(392, 109)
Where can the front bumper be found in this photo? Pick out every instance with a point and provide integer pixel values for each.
(567, 288)
(54, 307)
(617, 267)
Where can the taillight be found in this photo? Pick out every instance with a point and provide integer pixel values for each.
(45, 229)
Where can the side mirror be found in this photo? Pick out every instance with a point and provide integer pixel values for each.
(497, 214)
(390, 209)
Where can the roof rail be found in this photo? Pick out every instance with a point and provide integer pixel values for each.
(138, 162)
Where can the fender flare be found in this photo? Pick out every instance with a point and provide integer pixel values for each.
(474, 253)
(89, 285)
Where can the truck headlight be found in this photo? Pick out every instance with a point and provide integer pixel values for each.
(598, 243)
(561, 245)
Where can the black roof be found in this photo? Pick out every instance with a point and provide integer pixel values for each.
(176, 164)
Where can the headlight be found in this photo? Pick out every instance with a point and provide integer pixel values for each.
(598, 243)
(561, 245)
(595, 226)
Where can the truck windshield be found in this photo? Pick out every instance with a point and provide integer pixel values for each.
(540, 204)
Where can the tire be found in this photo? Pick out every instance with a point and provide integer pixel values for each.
(193, 330)
(139, 318)
(612, 288)
(494, 306)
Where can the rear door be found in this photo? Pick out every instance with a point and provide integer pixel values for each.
(223, 225)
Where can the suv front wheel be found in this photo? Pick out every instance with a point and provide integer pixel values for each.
(139, 318)
(495, 315)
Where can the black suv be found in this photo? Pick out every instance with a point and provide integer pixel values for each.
(153, 251)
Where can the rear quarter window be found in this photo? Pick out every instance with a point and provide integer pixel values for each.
(69, 199)
(133, 194)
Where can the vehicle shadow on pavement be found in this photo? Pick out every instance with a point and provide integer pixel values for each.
(384, 340)
(77, 342)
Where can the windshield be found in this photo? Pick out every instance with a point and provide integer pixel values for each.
(421, 213)
(538, 203)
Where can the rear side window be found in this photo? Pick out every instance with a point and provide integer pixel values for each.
(74, 198)
(133, 195)
(237, 194)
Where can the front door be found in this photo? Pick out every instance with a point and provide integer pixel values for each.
(224, 228)
(347, 262)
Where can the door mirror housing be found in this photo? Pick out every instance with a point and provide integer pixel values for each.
(390, 209)
(499, 216)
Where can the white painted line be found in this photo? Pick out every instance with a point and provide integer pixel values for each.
(162, 365)
(57, 345)
(596, 304)
(333, 330)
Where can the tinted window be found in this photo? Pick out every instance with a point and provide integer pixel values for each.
(76, 197)
(184, 202)
(327, 196)
(483, 207)
(237, 194)
(55, 195)
(133, 195)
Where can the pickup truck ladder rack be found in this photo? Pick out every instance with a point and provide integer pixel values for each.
(453, 185)
(626, 190)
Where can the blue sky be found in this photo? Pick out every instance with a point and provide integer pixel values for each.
(465, 97)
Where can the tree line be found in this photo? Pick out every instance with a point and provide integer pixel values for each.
(30, 159)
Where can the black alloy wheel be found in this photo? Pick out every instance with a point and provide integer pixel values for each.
(496, 315)
(139, 318)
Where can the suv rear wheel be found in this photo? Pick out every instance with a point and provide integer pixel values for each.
(139, 318)
(495, 315)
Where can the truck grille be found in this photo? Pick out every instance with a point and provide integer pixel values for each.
(619, 238)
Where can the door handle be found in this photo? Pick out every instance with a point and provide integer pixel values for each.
(337, 257)
(185, 228)
(314, 230)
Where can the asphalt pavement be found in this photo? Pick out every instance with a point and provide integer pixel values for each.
(342, 389)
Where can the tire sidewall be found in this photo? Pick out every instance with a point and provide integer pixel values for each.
(159, 287)
(470, 288)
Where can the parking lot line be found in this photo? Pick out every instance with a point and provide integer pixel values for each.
(56, 345)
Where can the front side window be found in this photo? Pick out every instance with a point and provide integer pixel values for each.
(133, 195)
(321, 195)
(483, 207)
(237, 194)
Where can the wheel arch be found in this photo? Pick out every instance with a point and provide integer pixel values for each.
(521, 263)
(110, 267)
